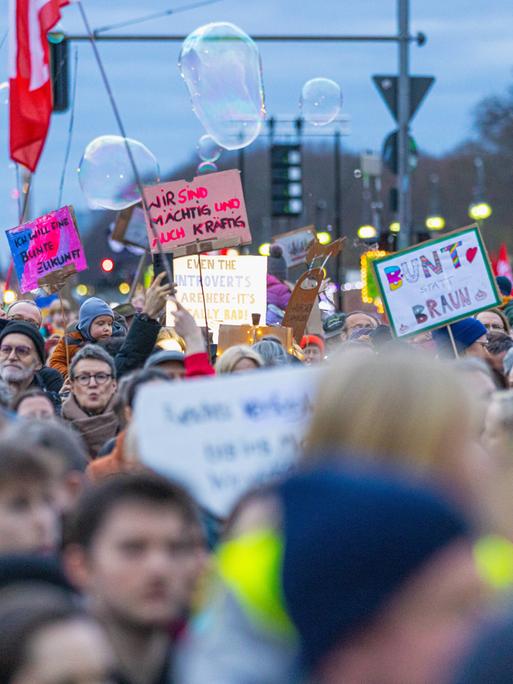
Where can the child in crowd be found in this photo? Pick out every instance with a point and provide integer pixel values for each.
(95, 321)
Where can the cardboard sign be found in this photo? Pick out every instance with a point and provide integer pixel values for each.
(47, 250)
(324, 252)
(304, 295)
(295, 244)
(227, 434)
(436, 282)
(130, 228)
(235, 288)
(207, 214)
(230, 335)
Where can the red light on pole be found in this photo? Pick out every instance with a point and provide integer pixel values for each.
(107, 265)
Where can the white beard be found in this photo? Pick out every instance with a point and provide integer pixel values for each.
(15, 376)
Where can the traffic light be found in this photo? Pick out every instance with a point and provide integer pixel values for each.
(107, 265)
(390, 152)
(286, 180)
(59, 65)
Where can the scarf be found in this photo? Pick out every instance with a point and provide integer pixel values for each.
(95, 430)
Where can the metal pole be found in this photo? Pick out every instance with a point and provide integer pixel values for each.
(337, 213)
(405, 219)
(419, 38)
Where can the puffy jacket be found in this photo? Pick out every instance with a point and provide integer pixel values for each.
(278, 295)
(136, 348)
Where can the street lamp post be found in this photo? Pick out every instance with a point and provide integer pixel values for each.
(403, 111)
(479, 209)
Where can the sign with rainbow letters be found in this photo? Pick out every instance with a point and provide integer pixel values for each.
(47, 249)
(436, 282)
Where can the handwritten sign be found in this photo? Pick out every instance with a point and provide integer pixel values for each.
(436, 282)
(295, 244)
(235, 288)
(228, 433)
(47, 249)
(210, 211)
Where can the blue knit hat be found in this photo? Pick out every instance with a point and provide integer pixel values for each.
(92, 308)
(465, 333)
(351, 541)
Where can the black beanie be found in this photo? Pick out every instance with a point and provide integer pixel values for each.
(27, 329)
(276, 264)
(352, 539)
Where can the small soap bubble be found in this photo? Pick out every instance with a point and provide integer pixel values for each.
(206, 167)
(320, 101)
(4, 92)
(208, 149)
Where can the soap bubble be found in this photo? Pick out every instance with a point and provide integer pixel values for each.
(106, 175)
(221, 68)
(320, 101)
(206, 167)
(4, 92)
(57, 34)
(208, 149)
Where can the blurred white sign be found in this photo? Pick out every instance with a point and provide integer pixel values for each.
(221, 436)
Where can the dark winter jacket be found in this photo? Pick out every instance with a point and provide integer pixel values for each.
(50, 382)
(139, 344)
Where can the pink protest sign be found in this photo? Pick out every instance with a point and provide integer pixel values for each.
(208, 213)
(46, 250)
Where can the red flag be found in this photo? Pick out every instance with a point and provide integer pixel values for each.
(502, 266)
(30, 96)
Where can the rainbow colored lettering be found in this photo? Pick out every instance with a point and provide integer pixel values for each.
(394, 277)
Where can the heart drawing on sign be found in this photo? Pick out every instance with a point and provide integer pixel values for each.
(471, 254)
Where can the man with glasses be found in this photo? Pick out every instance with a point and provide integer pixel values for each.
(89, 406)
(22, 359)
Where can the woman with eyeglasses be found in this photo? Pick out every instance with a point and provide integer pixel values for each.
(90, 404)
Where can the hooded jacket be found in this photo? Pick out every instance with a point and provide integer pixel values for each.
(138, 345)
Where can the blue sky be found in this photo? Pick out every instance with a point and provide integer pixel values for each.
(469, 51)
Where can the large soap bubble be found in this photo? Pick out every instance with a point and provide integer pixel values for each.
(208, 149)
(106, 175)
(320, 101)
(221, 68)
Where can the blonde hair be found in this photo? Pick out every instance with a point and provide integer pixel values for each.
(233, 355)
(398, 408)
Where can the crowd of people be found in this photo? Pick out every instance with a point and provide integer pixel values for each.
(384, 557)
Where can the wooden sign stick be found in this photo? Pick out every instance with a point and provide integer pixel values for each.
(207, 340)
